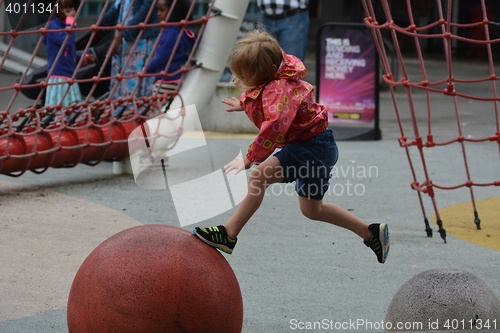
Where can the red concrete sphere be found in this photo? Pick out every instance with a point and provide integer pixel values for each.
(155, 278)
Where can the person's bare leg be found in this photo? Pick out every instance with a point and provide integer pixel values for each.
(328, 212)
(267, 173)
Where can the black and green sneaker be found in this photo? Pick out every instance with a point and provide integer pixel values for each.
(216, 237)
(379, 241)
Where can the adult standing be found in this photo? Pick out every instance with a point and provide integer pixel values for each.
(288, 21)
(130, 57)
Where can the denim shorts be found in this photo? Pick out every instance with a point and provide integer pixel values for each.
(309, 164)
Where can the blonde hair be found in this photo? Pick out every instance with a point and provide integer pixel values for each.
(255, 59)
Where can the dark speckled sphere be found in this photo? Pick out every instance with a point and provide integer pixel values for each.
(155, 278)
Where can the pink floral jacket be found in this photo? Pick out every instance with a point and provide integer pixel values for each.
(284, 110)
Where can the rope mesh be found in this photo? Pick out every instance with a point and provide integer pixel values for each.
(460, 92)
(39, 137)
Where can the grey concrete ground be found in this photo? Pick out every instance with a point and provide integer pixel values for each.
(290, 270)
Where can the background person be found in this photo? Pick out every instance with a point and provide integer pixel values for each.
(59, 91)
(129, 60)
(288, 22)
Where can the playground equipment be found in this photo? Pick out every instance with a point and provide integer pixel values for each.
(37, 138)
(155, 278)
(477, 93)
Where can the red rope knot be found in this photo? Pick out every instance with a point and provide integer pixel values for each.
(424, 83)
(164, 24)
(70, 81)
(450, 89)
(204, 19)
(412, 27)
(17, 86)
(96, 79)
(119, 27)
(14, 33)
(405, 82)
(415, 186)
(94, 27)
(142, 26)
(119, 77)
(461, 138)
(430, 141)
(418, 141)
(447, 35)
(69, 30)
(497, 182)
(368, 19)
(388, 77)
(493, 77)
(469, 183)
(43, 31)
(140, 75)
(429, 189)
(402, 141)
(387, 25)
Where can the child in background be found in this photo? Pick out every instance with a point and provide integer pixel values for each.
(168, 39)
(59, 91)
(282, 106)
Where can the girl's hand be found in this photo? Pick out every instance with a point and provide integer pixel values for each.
(238, 164)
(234, 104)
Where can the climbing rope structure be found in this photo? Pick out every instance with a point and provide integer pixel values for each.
(38, 137)
(417, 136)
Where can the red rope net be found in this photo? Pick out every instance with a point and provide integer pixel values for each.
(455, 90)
(96, 129)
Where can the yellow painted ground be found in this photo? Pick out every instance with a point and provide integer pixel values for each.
(458, 220)
(217, 135)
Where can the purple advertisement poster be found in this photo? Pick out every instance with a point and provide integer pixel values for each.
(347, 74)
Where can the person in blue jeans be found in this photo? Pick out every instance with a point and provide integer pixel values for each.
(288, 22)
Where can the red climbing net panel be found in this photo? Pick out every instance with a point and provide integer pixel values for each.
(463, 87)
(36, 137)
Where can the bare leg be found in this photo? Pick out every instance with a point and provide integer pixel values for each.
(331, 213)
(267, 173)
